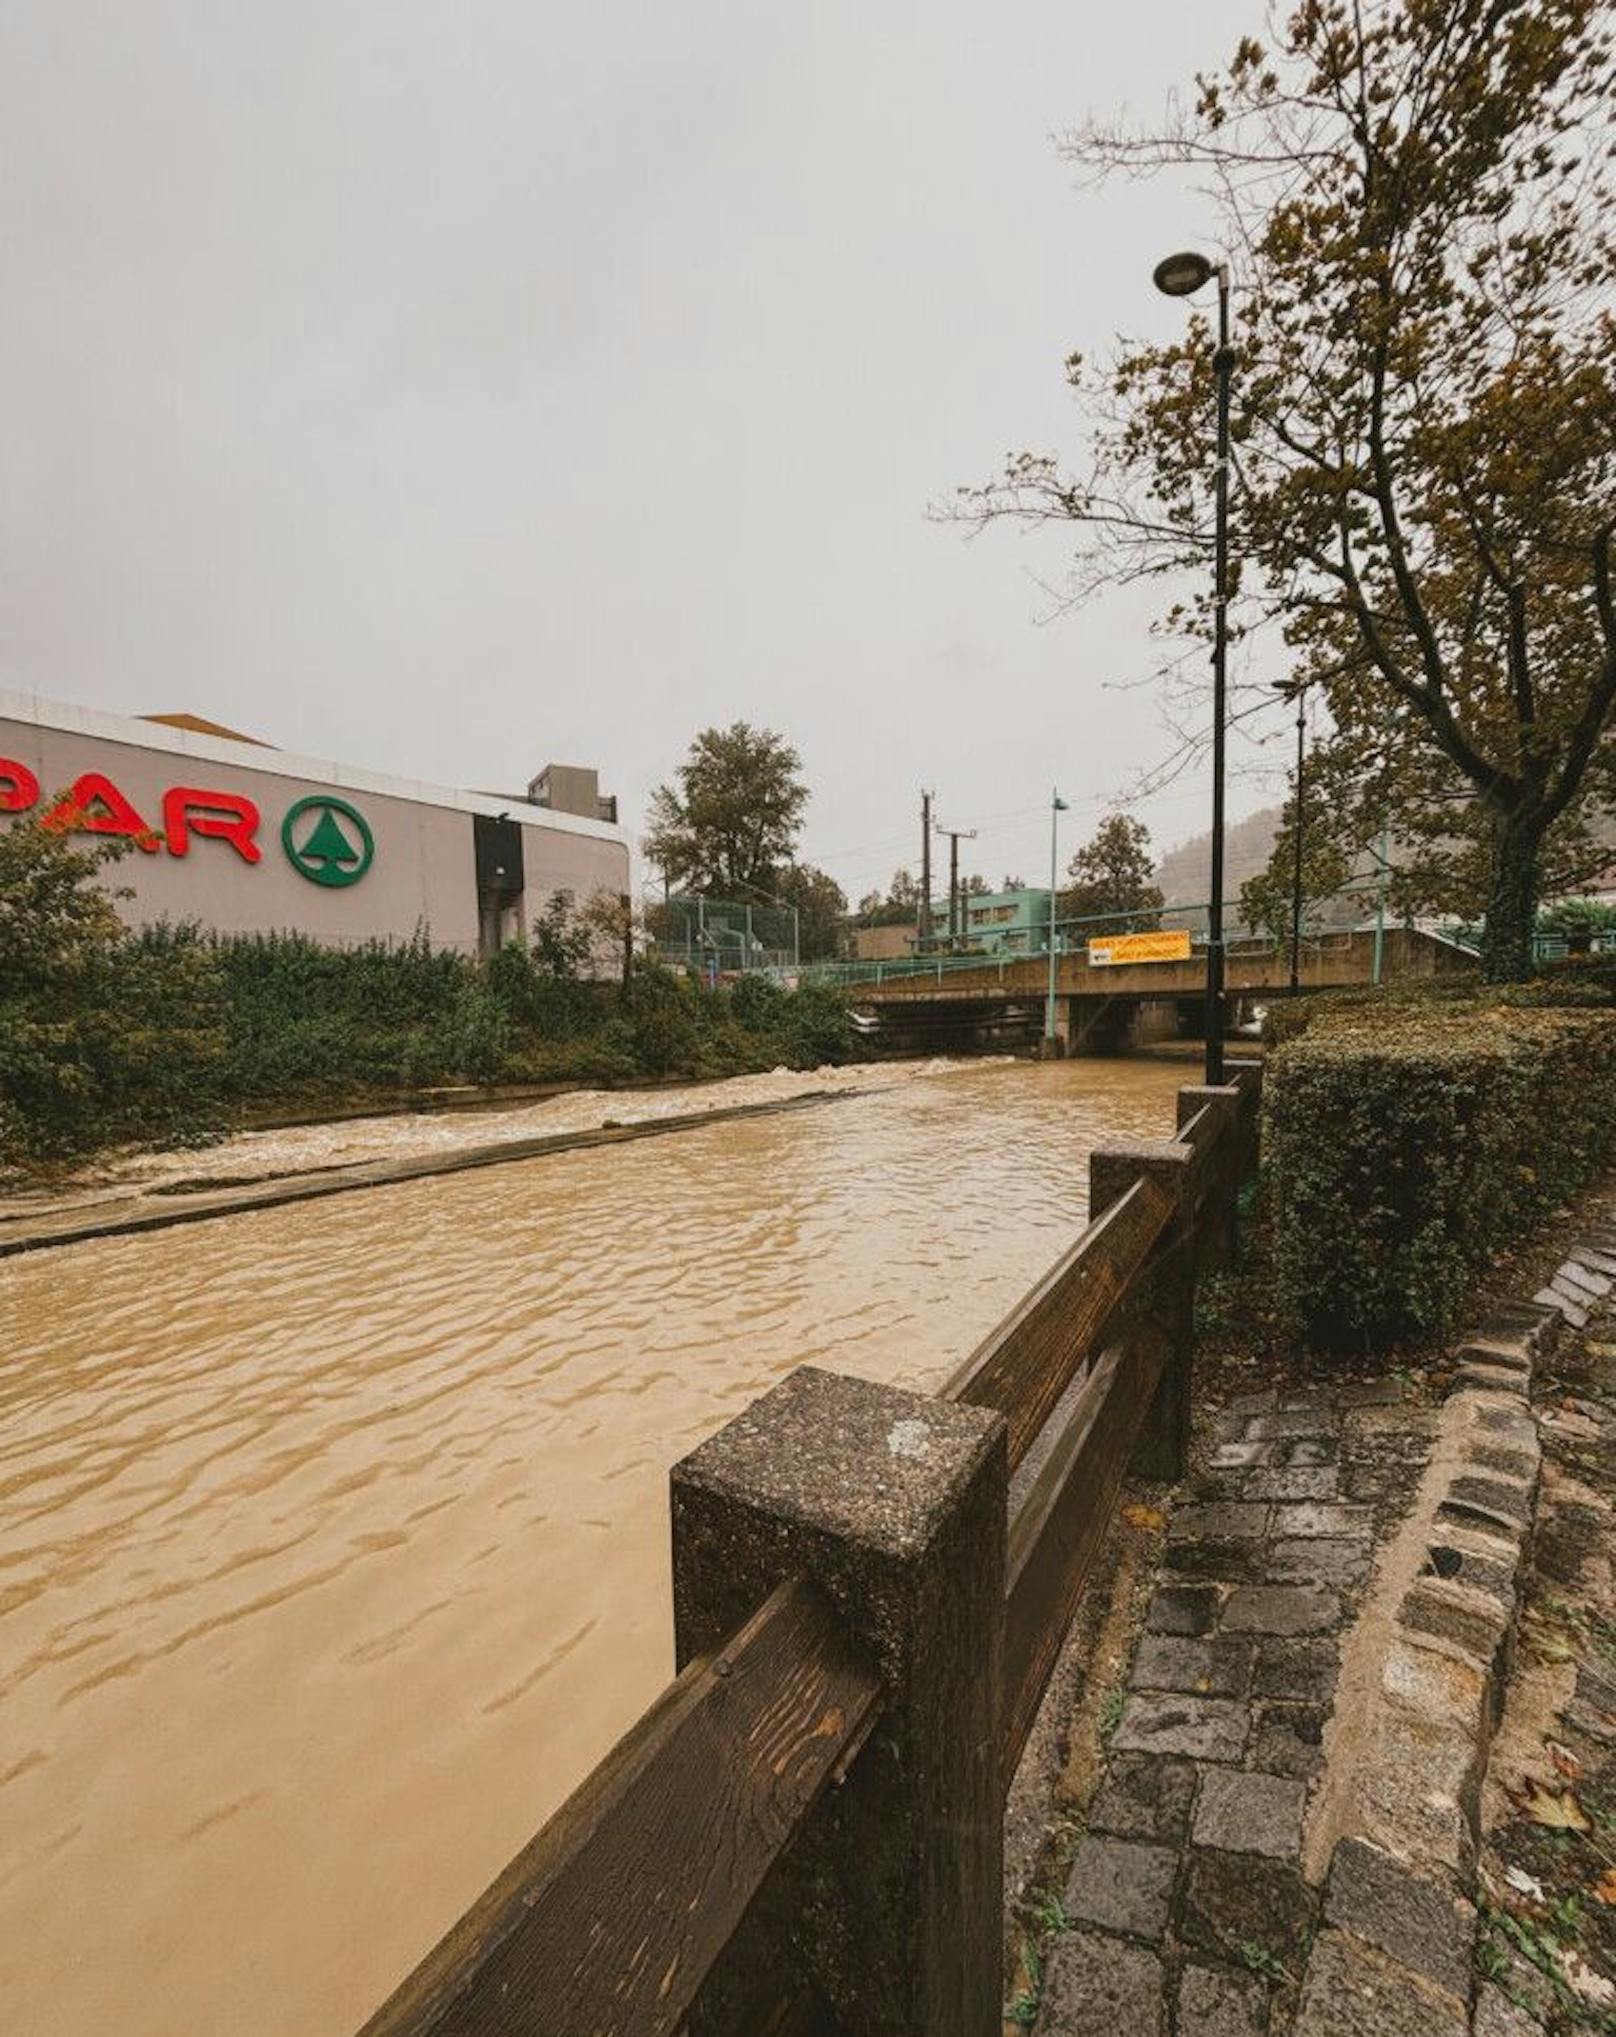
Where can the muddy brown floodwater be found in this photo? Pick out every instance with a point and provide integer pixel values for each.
(333, 1538)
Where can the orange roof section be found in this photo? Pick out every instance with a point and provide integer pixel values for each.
(198, 726)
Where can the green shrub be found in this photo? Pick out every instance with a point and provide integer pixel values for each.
(104, 1036)
(1574, 982)
(1577, 915)
(757, 1001)
(818, 1028)
(108, 1036)
(128, 1044)
(664, 1021)
(1405, 1144)
(1576, 979)
(480, 1033)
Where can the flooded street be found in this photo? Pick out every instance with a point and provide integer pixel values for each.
(333, 1538)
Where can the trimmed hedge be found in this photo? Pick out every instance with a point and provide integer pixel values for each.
(1581, 983)
(1406, 1142)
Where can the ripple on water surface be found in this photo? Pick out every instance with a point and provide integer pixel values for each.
(333, 1538)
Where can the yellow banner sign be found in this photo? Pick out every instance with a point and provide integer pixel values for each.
(1112, 950)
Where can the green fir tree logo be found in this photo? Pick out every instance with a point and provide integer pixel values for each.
(337, 850)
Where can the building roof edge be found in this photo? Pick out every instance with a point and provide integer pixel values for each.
(68, 718)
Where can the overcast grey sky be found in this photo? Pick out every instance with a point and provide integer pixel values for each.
(452, 388)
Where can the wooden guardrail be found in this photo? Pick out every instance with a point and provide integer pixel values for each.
(803, 1835)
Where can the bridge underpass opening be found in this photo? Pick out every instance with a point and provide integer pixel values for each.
(953, 1026)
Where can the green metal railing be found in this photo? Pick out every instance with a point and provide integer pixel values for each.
(1071, 937)
(938, 968)
(1555, 947)
(1545, 947)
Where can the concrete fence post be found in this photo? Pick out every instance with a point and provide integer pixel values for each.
(891, 1900)
(1166, 1309)
(1217, 1192)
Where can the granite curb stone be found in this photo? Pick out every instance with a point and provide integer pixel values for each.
(1353, 1991)
(1419, 1923)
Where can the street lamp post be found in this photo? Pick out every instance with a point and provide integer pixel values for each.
(1057, 806)
(1179, 276)
(1296, 862)
(1384, 857)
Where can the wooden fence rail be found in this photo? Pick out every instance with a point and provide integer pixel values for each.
(708, 1787)
(803, 1835)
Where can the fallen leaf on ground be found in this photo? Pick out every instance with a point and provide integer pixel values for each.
(1565, 1762)
(1593, 1987)
(1558, 1810)
(1143, 1517)
(1604, 1890)
(1525, 1884)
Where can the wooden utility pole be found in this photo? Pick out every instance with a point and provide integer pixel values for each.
(956, 914)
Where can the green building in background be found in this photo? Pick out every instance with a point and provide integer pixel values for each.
(1001, 923)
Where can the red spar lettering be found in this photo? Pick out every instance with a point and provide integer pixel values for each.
(19, 788)
(226, 816)
(94, 803)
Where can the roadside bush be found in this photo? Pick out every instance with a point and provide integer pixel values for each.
(305, 1018)
(479, 1033)
(1405, 1143)
(1577, 915)
(1585, 982)
(108, 1037)
(663, 1019)
(757, 1002)
(1578, 979)
(102, 1034)
(818, 1028)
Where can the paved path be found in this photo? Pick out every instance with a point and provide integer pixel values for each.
(1546, 1947)
(1188, 1905)
(1229, 1884)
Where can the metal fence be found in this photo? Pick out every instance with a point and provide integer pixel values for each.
(718, 937)
(1070, 940)
(1071, 937)
(1545, 947)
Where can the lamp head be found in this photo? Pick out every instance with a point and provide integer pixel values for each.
(1181, 275)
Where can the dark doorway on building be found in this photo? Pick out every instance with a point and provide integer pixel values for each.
(501, 880)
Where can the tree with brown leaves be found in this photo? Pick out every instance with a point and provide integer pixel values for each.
(1416, 201)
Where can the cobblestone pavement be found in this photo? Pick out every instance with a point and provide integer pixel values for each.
(1546, 1955)
(1188, 1906)
(1228, 1886)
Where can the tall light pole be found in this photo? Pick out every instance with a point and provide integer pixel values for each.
(1057, 806)
(1180, 276)
(1296, 863)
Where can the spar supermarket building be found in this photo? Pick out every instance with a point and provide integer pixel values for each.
(249, 839)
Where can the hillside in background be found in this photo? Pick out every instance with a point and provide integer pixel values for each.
(1184, 873)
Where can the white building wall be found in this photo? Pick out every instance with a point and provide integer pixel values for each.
(422, 874)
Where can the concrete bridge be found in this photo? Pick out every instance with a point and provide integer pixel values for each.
(1103, 1008)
